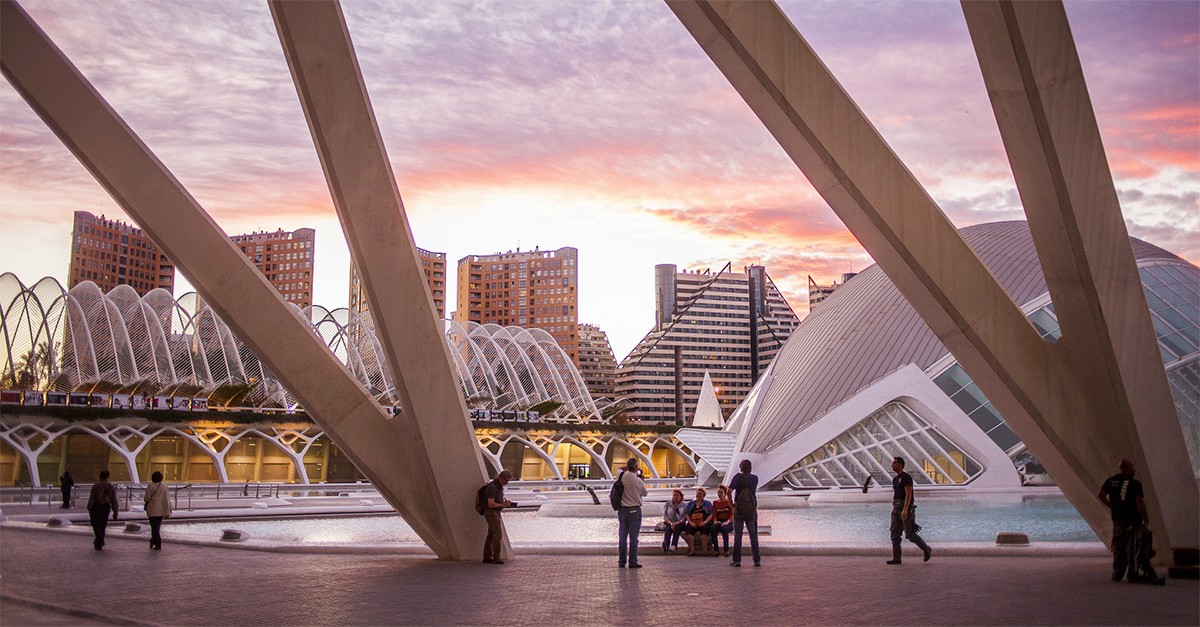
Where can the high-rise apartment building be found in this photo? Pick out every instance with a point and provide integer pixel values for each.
(728, 324)
(818, 292)
(533, 289)
(434, 265)
(597, 365)
(111, 253)
(285, 258)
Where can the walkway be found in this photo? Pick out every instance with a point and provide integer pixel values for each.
(51, 577)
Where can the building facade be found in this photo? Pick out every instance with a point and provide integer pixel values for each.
(818, 292)
(864, 379)
(285, 258)
(728, 324)
(532, 289)
(220, 447)
(111, 253)
(597, 364)
(434, 265)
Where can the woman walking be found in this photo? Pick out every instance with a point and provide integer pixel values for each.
(158, 507)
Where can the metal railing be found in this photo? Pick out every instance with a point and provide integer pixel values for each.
(51, 495)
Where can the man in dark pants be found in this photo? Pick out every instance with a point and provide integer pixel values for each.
(629, 515)
(904, 516)
(1122, 494)
(66, 482)
(494, 504)
(101, 501)
(745, 512)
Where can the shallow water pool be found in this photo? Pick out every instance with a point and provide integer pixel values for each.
(1043, 518)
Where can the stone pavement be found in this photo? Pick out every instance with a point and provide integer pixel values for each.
(54, 577)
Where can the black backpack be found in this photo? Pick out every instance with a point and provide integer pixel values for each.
(481, 499)
(618, 491)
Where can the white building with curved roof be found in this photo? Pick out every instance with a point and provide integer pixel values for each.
(863, 379)
(85, 340)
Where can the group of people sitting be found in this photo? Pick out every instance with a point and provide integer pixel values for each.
(699, 522)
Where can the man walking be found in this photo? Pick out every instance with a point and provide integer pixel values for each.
(745, 512)
(101, 501)
(493, 504)
(629, 515)
(904, 515)
(1123, 496)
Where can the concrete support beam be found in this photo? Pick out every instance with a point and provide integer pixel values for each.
(1034, 384)
(1037, 89)
(324, 67)
(388, 451)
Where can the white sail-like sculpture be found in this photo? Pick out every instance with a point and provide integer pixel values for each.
(708, 410)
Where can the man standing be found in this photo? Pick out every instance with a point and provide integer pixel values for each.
(629, 515)
(745, 512)
(494, 504)
(1122, 494)
(101, 501)
(904, 515)
(66, 482)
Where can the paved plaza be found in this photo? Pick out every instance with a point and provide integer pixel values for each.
(52, 577)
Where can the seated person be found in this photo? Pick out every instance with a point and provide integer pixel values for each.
(722, 518)
(672, 522)
(697, 517)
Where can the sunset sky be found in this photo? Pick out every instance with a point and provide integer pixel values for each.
(597, 125)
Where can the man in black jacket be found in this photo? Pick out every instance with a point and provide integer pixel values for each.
(101, 502)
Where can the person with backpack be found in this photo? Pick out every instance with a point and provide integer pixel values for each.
(745, 512)
(1123, 495)
(490, 502)
(626, 498)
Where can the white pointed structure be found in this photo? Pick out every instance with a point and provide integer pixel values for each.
(708, 409)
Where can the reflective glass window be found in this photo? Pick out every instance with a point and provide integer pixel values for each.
(969, 398)
(986, 417)
(953, 380)
(1004, 437)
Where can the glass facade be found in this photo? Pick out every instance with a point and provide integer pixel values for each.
(1173, 295)
(866, 451)
(1172, 292)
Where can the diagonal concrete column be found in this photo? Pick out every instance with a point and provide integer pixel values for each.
(324, 67)
(388, 451)
(1033, 384)
(1037, 89)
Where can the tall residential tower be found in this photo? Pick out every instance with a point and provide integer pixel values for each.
(111, 253)
(728, 324)
(434, 265)
(285, 258)
(597, 365)
(532, 289)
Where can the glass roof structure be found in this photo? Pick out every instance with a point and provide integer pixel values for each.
(86, 340)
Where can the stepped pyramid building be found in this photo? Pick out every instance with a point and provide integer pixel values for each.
(728, 324)
(597, 365)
